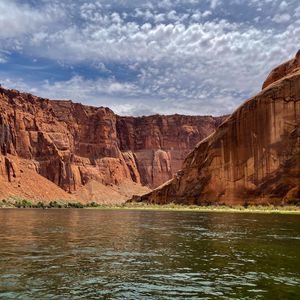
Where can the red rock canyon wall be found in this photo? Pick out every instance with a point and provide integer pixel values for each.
(253, 157)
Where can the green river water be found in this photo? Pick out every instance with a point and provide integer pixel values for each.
(123, 254)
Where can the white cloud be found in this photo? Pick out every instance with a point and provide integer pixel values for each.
(80, 89)
(214, 3)
(283, 5)
(184, 59)
(18, 19)
(282, 18)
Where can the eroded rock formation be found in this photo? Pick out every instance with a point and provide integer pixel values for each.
(283, 70)
(76, 146)
(253, 157)
(160, 144)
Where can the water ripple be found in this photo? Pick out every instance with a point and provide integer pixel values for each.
(94, 254)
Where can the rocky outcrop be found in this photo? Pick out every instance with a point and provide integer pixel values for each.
(19, 179)
(252, 158)
(69, 143)
(159, 144)
(84, 149)
(283, 70)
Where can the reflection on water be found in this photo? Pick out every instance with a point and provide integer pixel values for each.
(95, 254)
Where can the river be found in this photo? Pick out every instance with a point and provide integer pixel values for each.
(123, 254)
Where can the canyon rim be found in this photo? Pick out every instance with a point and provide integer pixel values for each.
(84, 153)
(69, 151)
(252, 158)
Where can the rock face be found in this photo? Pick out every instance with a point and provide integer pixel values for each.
(76, 146)
(252, 158)
(159, 144)
(283, 70)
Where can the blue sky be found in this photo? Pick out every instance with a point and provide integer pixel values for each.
(146, 57)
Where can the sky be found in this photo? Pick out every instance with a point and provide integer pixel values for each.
(145, 57)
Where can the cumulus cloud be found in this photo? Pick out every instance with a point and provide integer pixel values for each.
(283, 5)
(214, 3)
(19, 19)
(156, 56)
(282, 18)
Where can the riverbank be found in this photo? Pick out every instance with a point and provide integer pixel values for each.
(270, 209)
(266, 209)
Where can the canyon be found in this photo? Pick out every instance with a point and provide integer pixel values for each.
(61, 150)
(252, 158)
(58, 149)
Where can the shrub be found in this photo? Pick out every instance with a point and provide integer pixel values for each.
(92, 204)
(75, 205)
(23, 203)
(40, 205)
(55, 204)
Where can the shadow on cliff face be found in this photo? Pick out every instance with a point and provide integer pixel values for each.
(253, 157)
(73, 145)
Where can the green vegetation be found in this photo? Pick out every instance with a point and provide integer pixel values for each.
(288, 209)
(75, 205)
(16, 202)
(293, 206)
(92, 204)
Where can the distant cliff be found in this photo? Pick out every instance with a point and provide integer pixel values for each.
(159, 144)
(84, 150)
(253, 157)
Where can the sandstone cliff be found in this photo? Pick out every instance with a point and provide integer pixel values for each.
(88, 152)
(159, 144)
(253, 157)
(283, 70)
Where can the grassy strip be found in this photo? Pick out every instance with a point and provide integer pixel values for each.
(289, 209)
(15, 202)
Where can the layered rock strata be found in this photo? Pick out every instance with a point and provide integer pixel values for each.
(159, 144)
(73, 145)
(252, 158)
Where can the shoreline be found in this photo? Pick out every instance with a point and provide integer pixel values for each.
(140, 206)
(201, 209)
